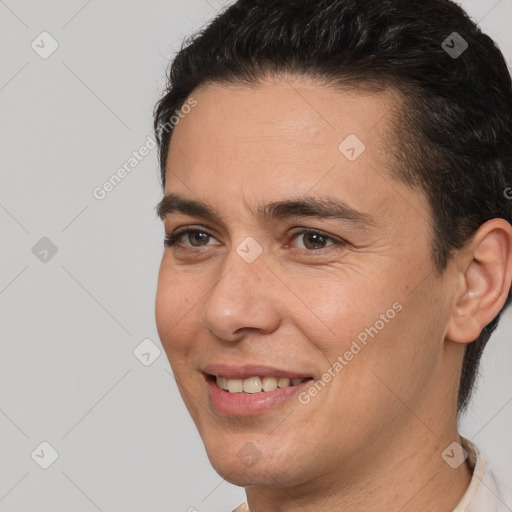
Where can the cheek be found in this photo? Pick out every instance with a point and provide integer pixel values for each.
(333, 310)
(175, 309)
(367, 324)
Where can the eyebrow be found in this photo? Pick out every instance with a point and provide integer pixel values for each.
(321, 208)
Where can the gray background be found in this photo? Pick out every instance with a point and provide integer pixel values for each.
(69, 325)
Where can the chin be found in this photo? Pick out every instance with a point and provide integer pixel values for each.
(263, 475)
(247, 466)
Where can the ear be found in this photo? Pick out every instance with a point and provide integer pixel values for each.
(485, 277)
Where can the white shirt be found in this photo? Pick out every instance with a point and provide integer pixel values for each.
(483, 494)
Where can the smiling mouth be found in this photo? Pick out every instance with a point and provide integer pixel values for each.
(254, 384)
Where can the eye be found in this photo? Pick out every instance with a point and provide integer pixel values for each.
(311, 240)
(314, 240)
(195, 238)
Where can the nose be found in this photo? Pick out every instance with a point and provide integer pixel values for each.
(241, 300)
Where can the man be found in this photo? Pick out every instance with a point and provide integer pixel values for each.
(338, 248)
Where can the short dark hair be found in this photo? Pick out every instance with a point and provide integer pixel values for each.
(453, 131)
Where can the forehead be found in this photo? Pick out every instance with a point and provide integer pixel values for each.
(284, 137)
(287, 110)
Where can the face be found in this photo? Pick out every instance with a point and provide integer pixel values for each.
(349, 300)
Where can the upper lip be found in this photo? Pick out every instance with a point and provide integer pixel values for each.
(251, 370)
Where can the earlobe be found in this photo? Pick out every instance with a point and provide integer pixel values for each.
(486, 277)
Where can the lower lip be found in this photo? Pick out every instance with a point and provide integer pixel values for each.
(250, 404)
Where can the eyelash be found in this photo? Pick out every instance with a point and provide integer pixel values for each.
(172, 240)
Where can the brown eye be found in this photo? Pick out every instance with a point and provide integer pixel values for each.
(314, 240)
(197, 236)
(189, 238)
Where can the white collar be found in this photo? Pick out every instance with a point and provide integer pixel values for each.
(483, 493)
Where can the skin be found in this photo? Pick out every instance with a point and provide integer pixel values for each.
(372, 438)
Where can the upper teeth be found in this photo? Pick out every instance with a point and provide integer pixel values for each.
(255, 384)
